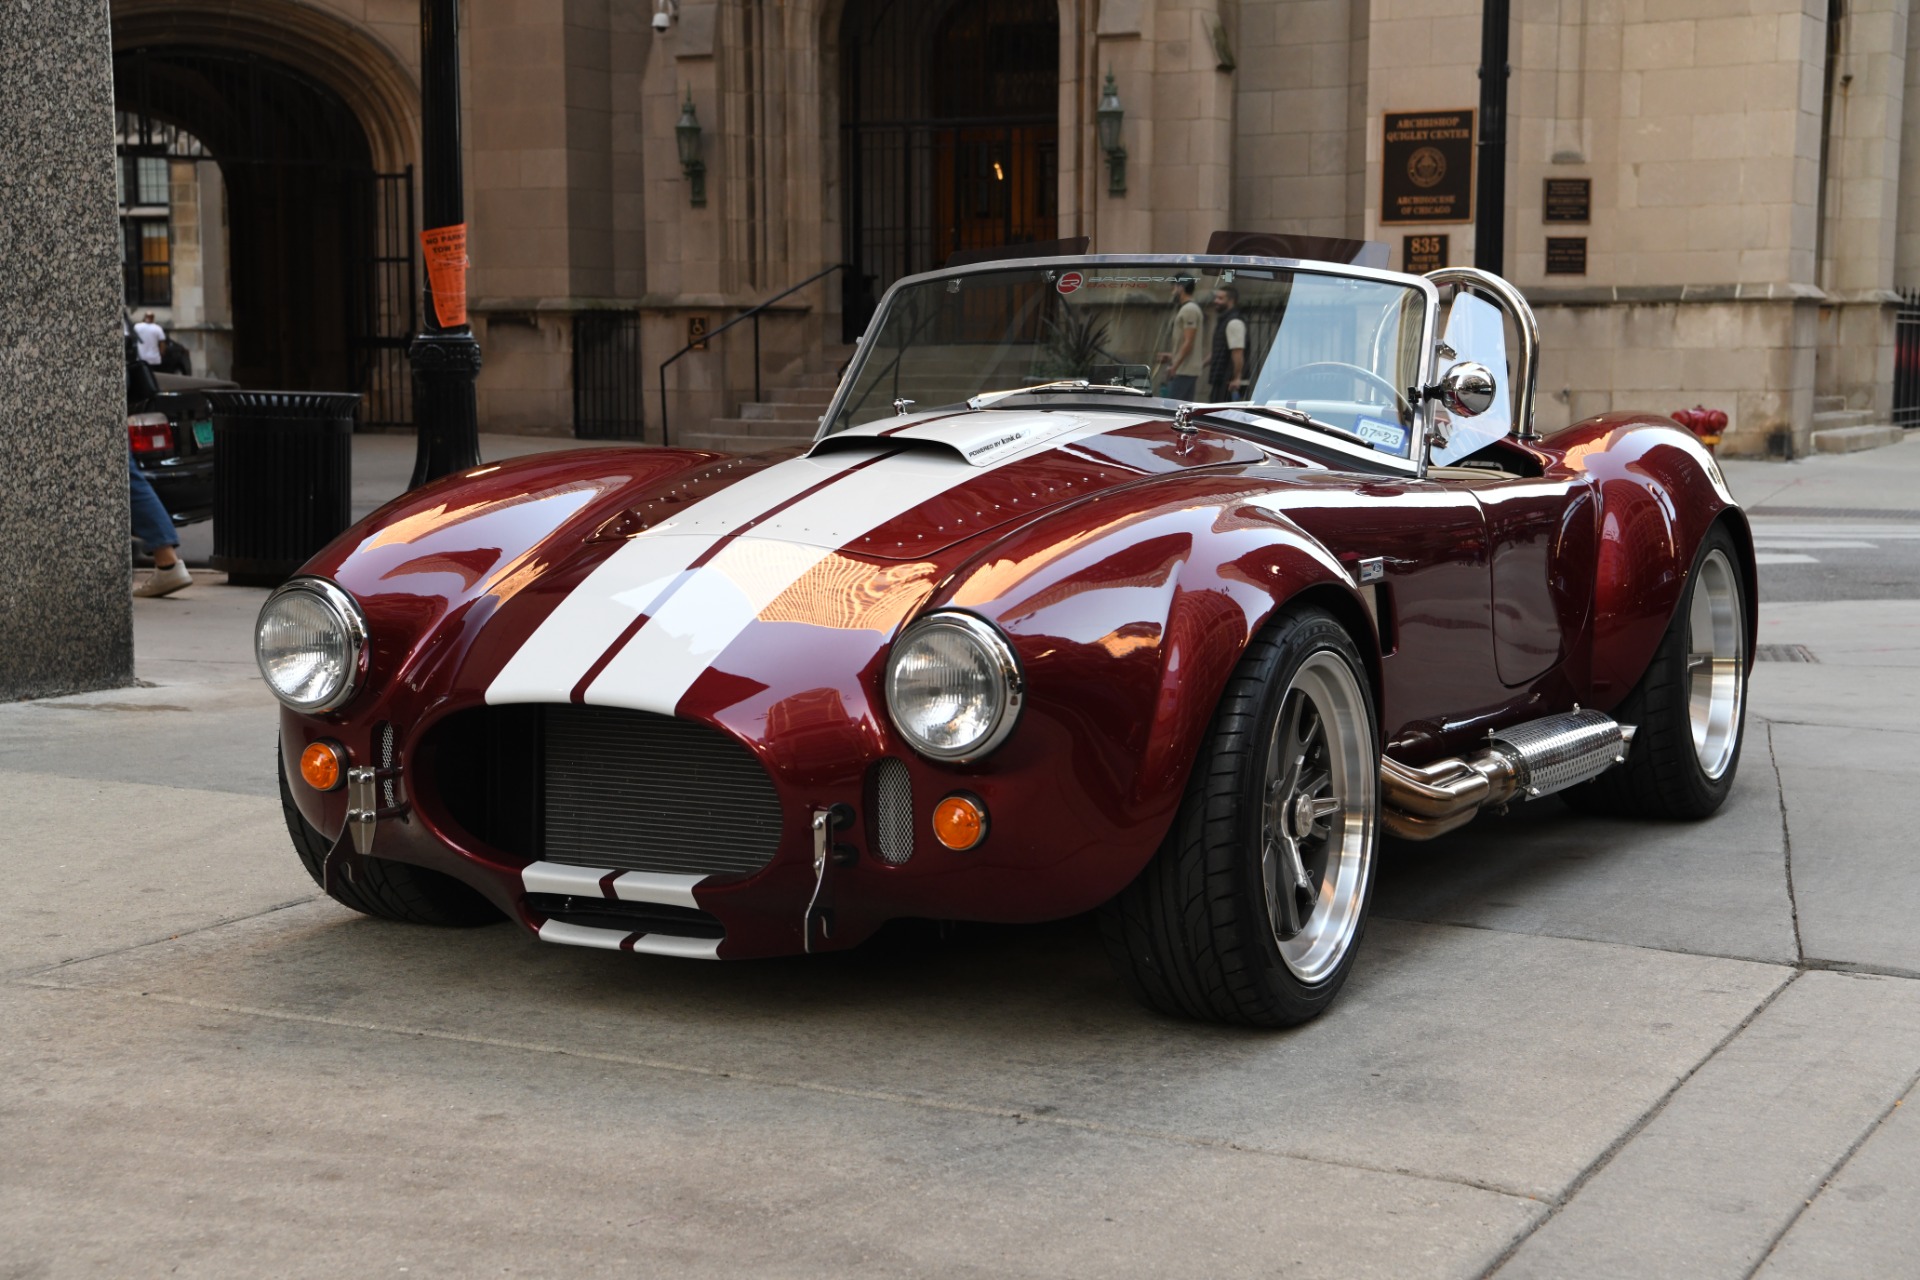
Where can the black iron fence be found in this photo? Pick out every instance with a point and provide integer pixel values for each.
(383, 291)
(607, 388)
(1906, 361)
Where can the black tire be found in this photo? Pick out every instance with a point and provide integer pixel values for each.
(1664, 776)
(1195, 935)
(382, 888)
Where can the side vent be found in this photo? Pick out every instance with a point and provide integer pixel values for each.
(893, 811)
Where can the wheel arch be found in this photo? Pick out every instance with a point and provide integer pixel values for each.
(1660, 494)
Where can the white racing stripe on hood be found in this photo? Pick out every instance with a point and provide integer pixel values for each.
(593, 615)
(719, 601)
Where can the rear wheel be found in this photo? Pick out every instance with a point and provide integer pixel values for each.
(1690, 706)
(1254, 906)
(390, 890)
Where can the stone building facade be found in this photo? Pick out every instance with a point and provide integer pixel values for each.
(1742, 243)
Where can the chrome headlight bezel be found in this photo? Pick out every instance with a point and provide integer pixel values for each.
(353, 627)
(1001, 661)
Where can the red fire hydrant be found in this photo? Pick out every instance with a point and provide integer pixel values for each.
(1705, 423)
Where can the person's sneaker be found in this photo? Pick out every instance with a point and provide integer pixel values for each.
(164, 582)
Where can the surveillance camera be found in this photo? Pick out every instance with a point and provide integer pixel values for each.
(661, 20)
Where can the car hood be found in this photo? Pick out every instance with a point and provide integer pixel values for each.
(854, 535)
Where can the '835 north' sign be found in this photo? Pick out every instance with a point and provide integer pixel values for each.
(1427, 167)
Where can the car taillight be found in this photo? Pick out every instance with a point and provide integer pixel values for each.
(150, 433)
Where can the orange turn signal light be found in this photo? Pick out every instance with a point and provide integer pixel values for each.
(960, 821)
(322, 765)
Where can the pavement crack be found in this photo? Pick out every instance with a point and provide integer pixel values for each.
(1786, 842)
(1826, 1179)
(950, 1105)
(35, 970)
(1634, 1130)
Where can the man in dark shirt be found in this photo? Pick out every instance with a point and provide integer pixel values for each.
(1228, 367)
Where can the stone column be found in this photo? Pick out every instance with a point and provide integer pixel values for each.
(66, 621)
(1172, 60)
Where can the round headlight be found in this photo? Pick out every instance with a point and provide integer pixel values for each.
(309, 642)
(953, 687)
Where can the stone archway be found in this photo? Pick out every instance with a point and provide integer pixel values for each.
(310, 123)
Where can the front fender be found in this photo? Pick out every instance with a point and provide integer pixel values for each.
(1130, 613)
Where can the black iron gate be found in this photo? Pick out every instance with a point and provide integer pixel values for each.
(1906, 361)
(607, 391)
(384, 317)
(320, 247)
(949, 135)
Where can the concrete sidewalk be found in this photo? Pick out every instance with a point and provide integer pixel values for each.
(1571, 1048)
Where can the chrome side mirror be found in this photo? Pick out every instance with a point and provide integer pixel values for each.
(1467, 389)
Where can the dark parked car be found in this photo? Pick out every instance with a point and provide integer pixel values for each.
(171, 432)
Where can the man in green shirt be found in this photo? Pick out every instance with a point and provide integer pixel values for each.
(1183, 362)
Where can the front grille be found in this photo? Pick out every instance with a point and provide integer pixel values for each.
(632, 917)
(646, 792)
(606, 787)
(893, 811)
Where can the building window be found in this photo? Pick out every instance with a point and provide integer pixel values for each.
(143, 180)
(147, 262)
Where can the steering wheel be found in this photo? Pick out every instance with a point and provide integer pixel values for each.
(1321, 368)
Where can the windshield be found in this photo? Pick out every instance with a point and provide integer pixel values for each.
(1341, 348)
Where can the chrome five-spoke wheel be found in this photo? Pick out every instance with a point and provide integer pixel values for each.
(1716, 662)
(1317, 840)
(1254, 907)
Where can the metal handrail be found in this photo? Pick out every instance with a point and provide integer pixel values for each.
(751, 313)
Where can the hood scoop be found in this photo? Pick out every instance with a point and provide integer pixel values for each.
(977, 439)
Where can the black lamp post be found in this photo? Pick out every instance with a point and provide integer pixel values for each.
(445, 357)
(1107, 119)
(1490, 195)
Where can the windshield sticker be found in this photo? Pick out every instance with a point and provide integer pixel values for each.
(1071, 281)
(1390, 435)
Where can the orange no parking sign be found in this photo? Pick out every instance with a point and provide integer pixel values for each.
(445, 249)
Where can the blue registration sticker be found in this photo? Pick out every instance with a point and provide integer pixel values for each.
(1390, 436)
(203, 433)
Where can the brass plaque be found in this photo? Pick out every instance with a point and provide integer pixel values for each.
(697, 332)
(1568, 200)
(1427, 167)
(1566, 255)
(1421, 254)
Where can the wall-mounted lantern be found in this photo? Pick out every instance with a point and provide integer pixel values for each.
(1108, 118)
(687, 134)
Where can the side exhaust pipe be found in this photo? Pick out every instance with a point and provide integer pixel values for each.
(1528, 760)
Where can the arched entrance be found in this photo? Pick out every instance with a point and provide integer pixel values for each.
(949, 134)
(320, 272)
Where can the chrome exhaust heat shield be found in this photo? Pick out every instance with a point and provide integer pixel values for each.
(1528, 760)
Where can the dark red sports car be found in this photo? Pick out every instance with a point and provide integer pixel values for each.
(1022, 635)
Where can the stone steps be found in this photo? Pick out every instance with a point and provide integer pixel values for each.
(726, 442)
(1852, 439)
(774, 411)
(766, 428)
(1835, 419)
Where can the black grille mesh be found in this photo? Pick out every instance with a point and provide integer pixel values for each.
(643, 792)
(893, 811)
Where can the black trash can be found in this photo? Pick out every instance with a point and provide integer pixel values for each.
(282, 479)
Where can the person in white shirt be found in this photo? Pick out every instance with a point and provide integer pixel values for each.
(149, 336)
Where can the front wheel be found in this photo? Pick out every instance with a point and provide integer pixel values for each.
(1253, 908)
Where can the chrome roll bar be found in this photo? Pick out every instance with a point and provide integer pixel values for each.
(1515, 304)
